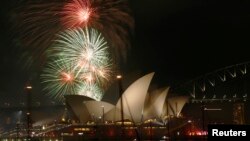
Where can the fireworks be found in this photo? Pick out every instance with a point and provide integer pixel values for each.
(59, 79)
(87, 49)
(112, 17)
(76, 13)
(84, 63)
(36, 23)
(39, 21)
(65, 34)
(92, 91)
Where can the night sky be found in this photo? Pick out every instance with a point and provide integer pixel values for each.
(177, 39)
(181, 40)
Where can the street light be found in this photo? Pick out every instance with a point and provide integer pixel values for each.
(119, 78)
(190, 126)
(28, 113)
(203, 106)
(29, 87)
(168, 118)
(103, 114)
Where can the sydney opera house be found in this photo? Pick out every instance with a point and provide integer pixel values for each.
(137, 113)
(137, 104)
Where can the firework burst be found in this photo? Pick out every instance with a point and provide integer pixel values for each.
(112, 17)
(88, 50)
(77, 13)
(81, 62)
(92, 91)
(39, 21)
(59, 79)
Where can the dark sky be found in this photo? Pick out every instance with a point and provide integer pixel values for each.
(181, 40)
(178, 39)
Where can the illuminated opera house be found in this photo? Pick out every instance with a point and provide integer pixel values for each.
(136, 107)
(136, 114)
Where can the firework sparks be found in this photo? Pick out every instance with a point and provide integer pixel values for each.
(36, 23)
(39, 22)
(112, 17)
(80, 61)
(76, 13)
(92, 91)
(87, 49)
(59, 80)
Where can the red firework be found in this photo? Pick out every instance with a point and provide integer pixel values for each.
(66, 77)
(76, 13)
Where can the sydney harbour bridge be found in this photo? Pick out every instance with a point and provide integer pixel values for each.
(219, 97)
(226, 84)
